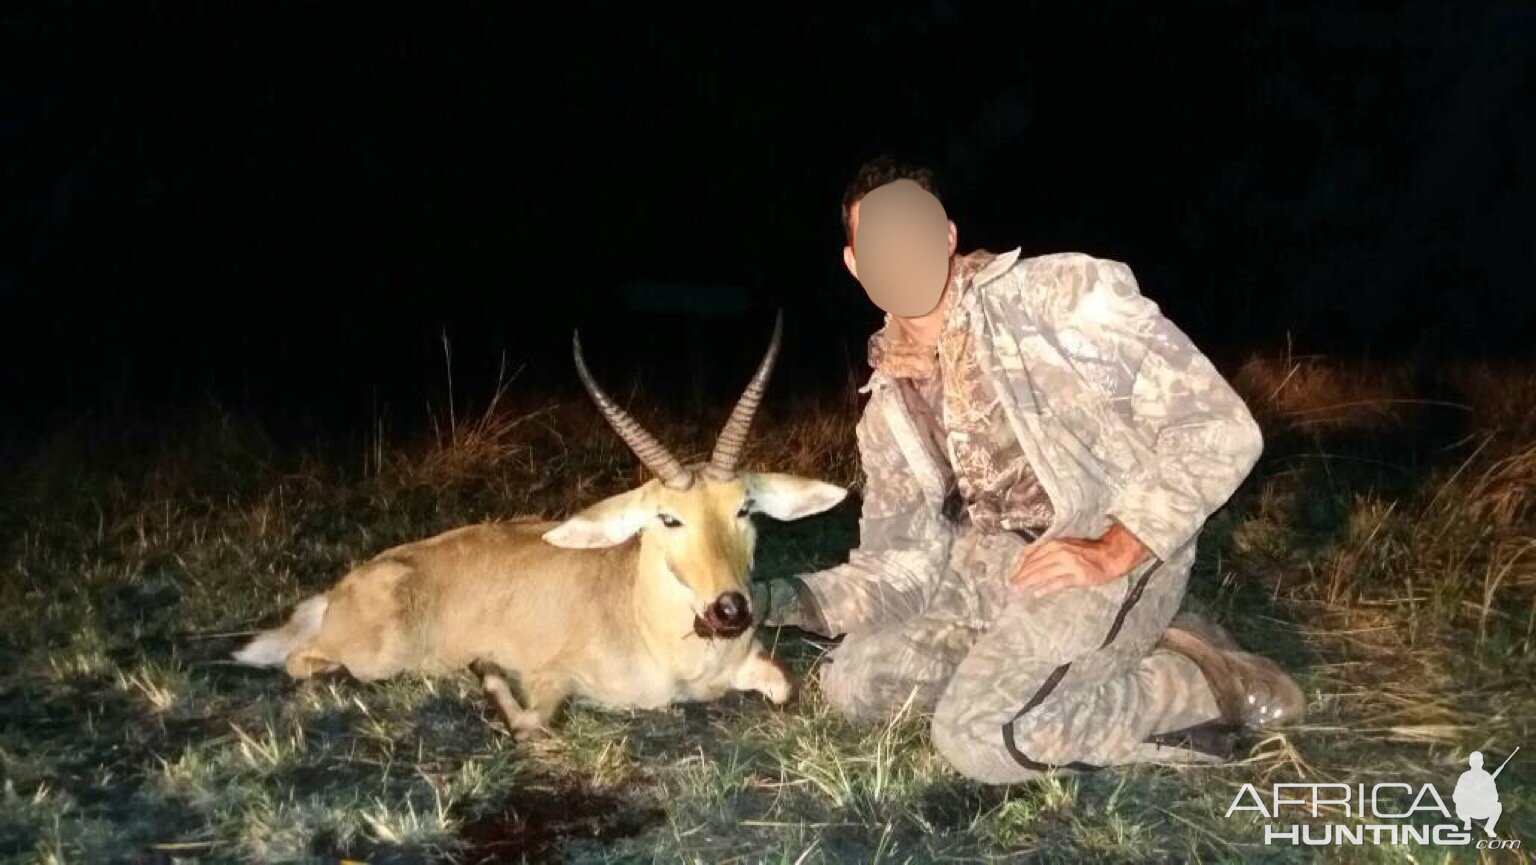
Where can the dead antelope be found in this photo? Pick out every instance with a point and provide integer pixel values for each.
(640, 600)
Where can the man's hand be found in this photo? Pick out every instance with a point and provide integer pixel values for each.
(1070, 562)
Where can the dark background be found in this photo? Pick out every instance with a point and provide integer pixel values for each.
(284, 208)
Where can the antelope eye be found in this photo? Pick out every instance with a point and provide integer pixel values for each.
(668, 520)
(746, 511)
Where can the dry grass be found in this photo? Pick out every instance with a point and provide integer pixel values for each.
(1385, 548)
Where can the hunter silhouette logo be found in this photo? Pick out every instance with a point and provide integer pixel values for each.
(1476, 797)
(1384, 813)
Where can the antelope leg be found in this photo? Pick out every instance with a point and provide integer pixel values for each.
(763, 674)
(529, 716)
(546, 692)
(496, 686)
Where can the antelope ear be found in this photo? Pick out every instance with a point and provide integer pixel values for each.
(608, 523)
(788, 497)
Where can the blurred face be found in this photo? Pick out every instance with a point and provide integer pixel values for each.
(901, 250)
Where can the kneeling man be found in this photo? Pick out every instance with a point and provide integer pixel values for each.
(1041, 449)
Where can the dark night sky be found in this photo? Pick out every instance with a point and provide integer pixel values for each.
(284, 206)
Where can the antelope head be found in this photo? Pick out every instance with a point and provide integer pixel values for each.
(694, 522)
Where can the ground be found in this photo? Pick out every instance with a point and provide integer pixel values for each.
(1384, 549)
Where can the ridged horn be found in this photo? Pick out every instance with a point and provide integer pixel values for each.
(733, 437)
(651, 452)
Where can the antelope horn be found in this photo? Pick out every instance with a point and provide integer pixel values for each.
(728, 447)
(651, 452)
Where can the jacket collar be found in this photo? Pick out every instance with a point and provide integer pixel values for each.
(998, 266)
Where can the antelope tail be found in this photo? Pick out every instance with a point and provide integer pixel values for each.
(271, 648)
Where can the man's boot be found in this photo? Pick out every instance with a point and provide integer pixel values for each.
(1251, 690)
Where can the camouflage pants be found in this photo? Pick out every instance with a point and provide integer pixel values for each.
(1019, 686)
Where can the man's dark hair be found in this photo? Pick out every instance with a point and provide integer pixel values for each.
(877, 172)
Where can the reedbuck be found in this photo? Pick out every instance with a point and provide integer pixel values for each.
(640, 600)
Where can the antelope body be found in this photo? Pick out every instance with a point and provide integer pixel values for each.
(640, 600)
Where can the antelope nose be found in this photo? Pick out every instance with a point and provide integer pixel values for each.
(730, 609)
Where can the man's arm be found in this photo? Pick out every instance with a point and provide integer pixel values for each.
(903, 543)
(1204, 439)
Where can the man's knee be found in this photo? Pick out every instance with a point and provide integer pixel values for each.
(849, 678)
(841, 683)
(1005, 745)
(980, 753)
(873, 677)
(971, 755)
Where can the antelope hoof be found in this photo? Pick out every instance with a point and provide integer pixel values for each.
(529, 734)
(525, 727)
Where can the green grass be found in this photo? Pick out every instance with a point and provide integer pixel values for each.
(1384, 549)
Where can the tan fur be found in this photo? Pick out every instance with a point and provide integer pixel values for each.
(608, 614)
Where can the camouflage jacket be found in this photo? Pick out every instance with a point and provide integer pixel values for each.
(1120, 415)
(951, 399)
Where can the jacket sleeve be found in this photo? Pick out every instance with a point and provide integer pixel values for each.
(1203, 439)
(903, 542)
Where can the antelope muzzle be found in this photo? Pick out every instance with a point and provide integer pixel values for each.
(729, 616)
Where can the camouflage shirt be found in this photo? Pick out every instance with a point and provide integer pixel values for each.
(1117, 413)
(961, 417)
